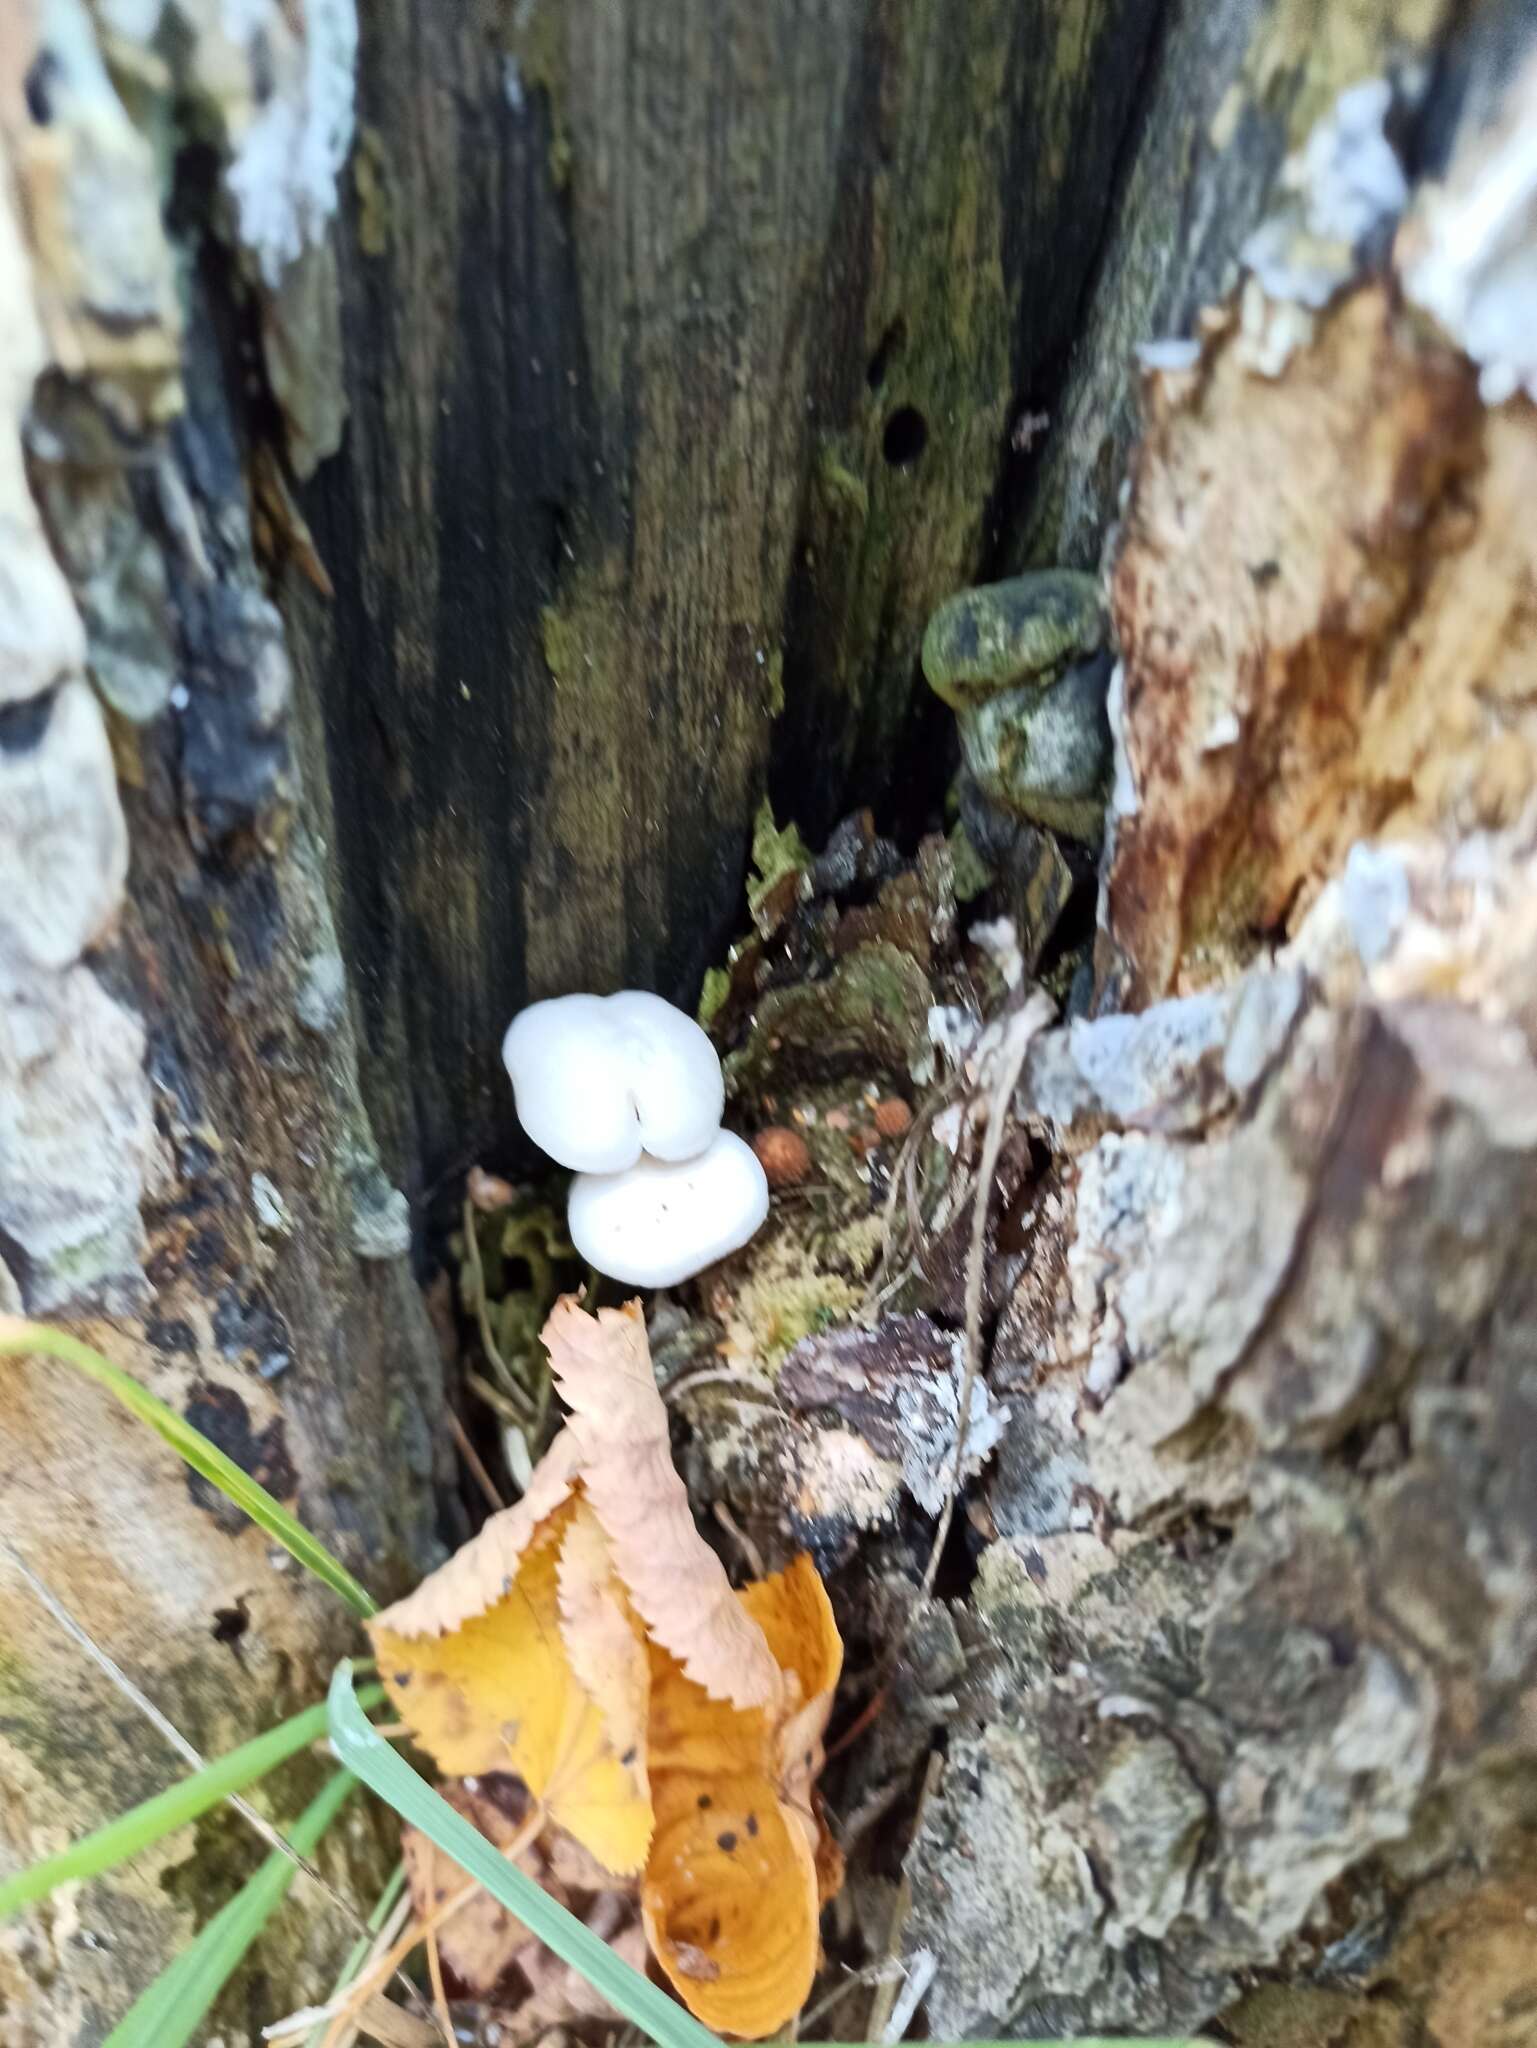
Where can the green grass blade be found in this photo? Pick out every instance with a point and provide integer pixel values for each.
(145, 1824)
(357, 1955)
(171, 2009)
(630, 1994)
(21, 1338)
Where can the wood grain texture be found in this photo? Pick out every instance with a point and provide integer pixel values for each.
(682, 347)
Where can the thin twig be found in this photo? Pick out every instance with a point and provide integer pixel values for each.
(371, 1977)
(1024, 1026)
(435, 1978)
(742, 1378)
(904, 1176)
(740, 1537)
(360, 1993)
(494, 1398)
(472, 1459)
(886, 1992)
(526, 1416)
(856, 1980)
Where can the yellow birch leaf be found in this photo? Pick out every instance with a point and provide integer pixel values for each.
(796, 1616)
(732, 1895)
(589, 1641)
(497, 1693)
(678, 1585)
(730, 1902)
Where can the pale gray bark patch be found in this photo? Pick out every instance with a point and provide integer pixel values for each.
(1309, 1479)
(76, 1135)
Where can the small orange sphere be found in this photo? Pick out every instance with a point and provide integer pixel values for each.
(783, 1155)
(893, 1118)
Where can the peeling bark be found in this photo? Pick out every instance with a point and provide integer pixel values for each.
(1255, 1640)
(165, 1070)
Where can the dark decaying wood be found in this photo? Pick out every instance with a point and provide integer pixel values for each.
(454, 462)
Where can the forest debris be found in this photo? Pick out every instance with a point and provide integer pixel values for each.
(602, 1368)
(786, 1292)
(489, 1954)
(871, 1012)
(1373, 674)
(732, 1892)
(529, 1652)
(479, 1573)
(777, 857)
(488, 1192)
(899, 1385)
(482, 1941)
(500, 1692)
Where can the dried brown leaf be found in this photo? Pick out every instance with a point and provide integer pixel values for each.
(602, 1367)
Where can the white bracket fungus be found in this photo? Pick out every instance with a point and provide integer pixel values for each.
(627, 1091)
(600, 1079)
(665, 1220)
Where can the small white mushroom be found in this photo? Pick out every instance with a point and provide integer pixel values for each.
(598, 1080)
(663, 1221)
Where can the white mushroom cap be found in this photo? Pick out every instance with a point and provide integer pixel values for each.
(662, 1222)
(600, 1079)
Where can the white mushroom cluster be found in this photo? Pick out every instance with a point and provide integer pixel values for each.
(627, 1091)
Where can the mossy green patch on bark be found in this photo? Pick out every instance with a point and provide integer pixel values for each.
(574, 884)
(871, 1011)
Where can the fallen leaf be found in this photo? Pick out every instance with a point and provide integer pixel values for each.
(602, 1369)
(482, 1942)
(589, 1641)
(736, 1872)
(558, 1994)
(484, 1569)
(498, 1693)
(730, 1901)
(488, 1952)
(603, 1637)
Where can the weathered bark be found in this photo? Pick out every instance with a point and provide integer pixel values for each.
(185, 1146)
(1254, 1646)
(585, 406)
